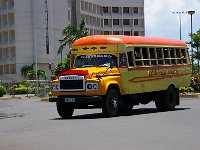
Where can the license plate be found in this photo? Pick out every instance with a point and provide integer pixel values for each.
(69, 100)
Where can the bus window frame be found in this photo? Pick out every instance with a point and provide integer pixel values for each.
(171, 55)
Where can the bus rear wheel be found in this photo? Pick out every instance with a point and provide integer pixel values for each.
(110, 103)
(167, 100)
(65, 110)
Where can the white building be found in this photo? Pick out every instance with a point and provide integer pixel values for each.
(26, 28)
(124, 17)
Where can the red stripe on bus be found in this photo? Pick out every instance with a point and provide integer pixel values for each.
(151, 78)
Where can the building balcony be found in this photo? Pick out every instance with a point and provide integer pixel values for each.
(1, 60)
(4, 44)
(117, 27)
(116, 16)
(11, 26)
(138, 28)
(127, 27)
(4, 27)
(3, 9)
(127, 16)
(13, 59)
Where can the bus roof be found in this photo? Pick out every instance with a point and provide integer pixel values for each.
(122, 39)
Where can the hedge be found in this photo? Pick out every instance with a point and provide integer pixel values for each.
(2, 90)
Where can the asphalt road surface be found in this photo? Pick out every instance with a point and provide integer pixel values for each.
(32, 124)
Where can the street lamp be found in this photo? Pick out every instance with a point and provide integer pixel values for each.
(192, 13)
(180, 13)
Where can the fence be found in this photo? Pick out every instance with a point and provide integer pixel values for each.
(37, 87)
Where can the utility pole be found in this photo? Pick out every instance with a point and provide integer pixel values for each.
(47, 27)
(192, 13)
(180, 26)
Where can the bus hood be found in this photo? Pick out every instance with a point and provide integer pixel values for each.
(90, 72)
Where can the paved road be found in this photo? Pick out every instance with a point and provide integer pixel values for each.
(32, 124)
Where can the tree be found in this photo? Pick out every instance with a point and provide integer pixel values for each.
(63, 65)
(71, 33)
(26, 69)
(196, 45)
(40, 73)
(30, 73)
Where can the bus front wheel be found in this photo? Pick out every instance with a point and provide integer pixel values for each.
(167, 100)
(110, 103)
(65, 110)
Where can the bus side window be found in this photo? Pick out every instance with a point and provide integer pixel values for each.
(183, 56)
(166, 56)
(138, 56)
(130, 58)
(159, 56)
(145, 56)
(152, 56)
(122, 60)
(178, 56)
(172, 54)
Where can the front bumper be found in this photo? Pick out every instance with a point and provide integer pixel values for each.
(79, 99)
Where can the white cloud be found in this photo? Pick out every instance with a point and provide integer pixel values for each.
(161, 22)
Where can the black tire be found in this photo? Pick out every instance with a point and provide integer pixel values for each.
(167, 100)
(65, 110)
(110, 103)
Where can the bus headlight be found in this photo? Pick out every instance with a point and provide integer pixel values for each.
(91, 86)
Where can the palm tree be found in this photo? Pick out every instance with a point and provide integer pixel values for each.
(30, 73)
(71, 33)
(26, 69)
(40, 73)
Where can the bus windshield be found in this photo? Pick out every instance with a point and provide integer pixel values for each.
(99, 60)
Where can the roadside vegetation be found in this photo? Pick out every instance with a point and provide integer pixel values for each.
(195, 81)
(69, 35)
(2, 90)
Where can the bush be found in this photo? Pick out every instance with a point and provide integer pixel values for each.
(2, 90)
(21, 90)
(195, 82)
(186, 89)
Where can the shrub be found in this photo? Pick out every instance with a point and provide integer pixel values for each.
(2, 90)
(21, 90)
(186, 89)
(195, 82)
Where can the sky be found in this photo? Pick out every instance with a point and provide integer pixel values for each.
(161, 22)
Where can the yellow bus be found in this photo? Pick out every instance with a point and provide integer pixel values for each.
(116, 72)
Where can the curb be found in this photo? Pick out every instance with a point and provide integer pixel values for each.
(189, 95)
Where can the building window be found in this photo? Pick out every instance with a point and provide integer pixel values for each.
(115, 21)
(136, 33)
(106, 32)
(115, 9)
(127, 33)
(105, 9)
(116, 32)
(135, 10)
(126, 22)
(135, 21)
(105, 21)
(126, 10)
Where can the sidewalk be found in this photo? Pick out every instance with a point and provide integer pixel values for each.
(190, 95)
(20, 96)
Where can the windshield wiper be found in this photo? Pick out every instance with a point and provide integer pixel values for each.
(109, 67)
(104, 65)
(88, 66)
